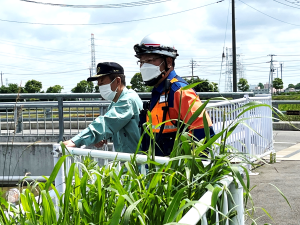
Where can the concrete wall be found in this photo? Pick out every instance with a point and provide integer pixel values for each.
(286, 126)
(26, 157)
(18, 158)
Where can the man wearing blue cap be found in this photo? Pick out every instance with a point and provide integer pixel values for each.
(121, 120)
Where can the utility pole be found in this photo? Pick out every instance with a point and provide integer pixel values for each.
(93, 58)
(234, 77)
(281, 69)
(192, 69)
(271, 74)
(193, 64)
(1, 79)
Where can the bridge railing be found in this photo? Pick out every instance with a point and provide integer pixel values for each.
(254, 135)
(69, 118)
(61, 117)
(48, 118)
(231, 201)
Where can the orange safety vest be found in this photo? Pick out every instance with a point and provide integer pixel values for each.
(169, 101)
(157, 114)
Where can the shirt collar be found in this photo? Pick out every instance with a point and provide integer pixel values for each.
(124, 91)
(160, 87)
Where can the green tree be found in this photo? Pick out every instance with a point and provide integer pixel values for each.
(97, 89)
(33, 86)
(277, 84)
(261, 86)
(3, 89)
(55, 89)
(243, 85)
(12, 88)
(297, 86)
(138, 85)
(83, 87)
(204, 86)
(291, 86)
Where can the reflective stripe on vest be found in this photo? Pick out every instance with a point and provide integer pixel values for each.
(167, 129)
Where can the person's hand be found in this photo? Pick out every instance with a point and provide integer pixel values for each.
(69, 143)
(101, 143)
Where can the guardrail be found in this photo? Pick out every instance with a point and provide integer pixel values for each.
(234, 200)
(56, 117)
(48, 118)
(65, 118)
(255, 136)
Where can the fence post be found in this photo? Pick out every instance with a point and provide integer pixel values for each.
(270, 128)
(60, 118)
(60, 178)
(15, 117)
(18, 119)
(236, 202)
(48, 113)
(248, 133)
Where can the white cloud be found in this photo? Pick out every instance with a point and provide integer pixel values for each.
(36, 50)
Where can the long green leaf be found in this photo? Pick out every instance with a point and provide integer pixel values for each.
(280, 192)
(172, 209)
(129, 211)
(118, 211)
(55, 172)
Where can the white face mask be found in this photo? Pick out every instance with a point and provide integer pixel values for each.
(106, 92)
(150, 71)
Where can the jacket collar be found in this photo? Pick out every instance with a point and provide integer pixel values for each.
(160, 88)
(124, 91)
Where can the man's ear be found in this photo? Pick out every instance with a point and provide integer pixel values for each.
(169, 61)
(119, 82)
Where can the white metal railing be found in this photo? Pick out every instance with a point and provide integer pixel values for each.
(256, 142)
(197, 213)
(255, 136)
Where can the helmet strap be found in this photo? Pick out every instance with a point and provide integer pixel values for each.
(166, 65)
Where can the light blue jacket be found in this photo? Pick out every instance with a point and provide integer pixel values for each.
(119, 123)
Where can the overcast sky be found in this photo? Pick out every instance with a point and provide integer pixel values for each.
(34, 46)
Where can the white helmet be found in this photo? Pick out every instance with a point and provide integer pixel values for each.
(156, 43)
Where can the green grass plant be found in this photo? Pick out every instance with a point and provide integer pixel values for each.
(108, 196)
(287, 96)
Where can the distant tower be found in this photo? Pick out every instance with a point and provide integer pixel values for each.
(193, 65)
(93, 58)
(228, 74)
(239, 70)
(6, 82)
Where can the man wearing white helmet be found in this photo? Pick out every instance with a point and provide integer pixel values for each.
(157, 57)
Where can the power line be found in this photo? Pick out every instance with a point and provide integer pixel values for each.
(288, 55)
(254, 58)
(269, 15)
(42, 48)
(293, 2)
(125, 21)
(38, 59)
(120, 5)
(71, 71)
(286, 4)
